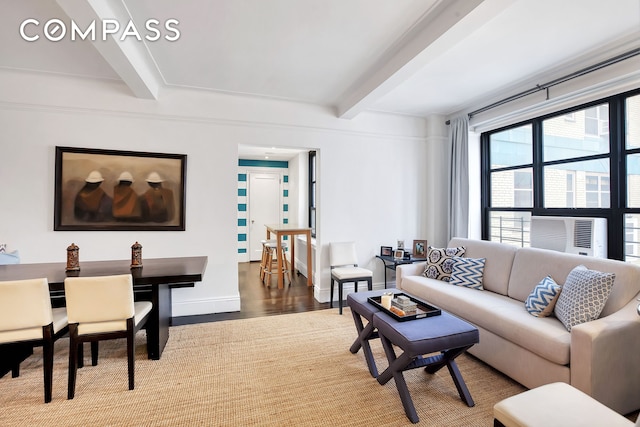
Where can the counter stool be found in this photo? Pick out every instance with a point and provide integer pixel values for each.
(265, 255)
(271, 262)
(556, 404)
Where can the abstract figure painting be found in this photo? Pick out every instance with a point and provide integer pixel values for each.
(119, 190)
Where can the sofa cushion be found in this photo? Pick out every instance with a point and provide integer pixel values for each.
(583, 296)
(497, 267)
(440, 262)
(499, 314)
(542, 299)
(531, 265)
(467, 272)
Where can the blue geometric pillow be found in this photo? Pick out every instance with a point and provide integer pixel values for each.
(468, 272)
(440, 262)
(542, 300)
(583, 296)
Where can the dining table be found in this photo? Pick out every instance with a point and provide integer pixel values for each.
(280, 230)
(151, 282)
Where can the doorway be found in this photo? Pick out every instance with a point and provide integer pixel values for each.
(264, 208)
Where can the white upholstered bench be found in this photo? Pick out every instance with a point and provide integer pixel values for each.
(556, 404)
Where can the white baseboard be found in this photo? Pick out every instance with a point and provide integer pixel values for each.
(205, 306)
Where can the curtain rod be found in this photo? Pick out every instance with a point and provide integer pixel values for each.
(546, 86)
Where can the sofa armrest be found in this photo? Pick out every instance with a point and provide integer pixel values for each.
(405, 270)
(605, 358)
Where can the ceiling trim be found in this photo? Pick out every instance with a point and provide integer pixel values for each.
(129, 58)
(445, 24)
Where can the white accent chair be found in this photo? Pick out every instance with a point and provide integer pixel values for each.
(102, 308)
(26, 318)
(344, 269)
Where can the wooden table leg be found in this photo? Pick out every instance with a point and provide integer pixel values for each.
(293, 252)
(279, 255)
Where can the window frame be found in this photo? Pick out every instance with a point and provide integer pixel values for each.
(617, 156)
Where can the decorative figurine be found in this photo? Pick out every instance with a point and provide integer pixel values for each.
(73, 259)
(136, 255)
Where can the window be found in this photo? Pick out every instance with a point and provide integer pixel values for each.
(522, 189)
(312, 192)
(596, 120)
(569, 163)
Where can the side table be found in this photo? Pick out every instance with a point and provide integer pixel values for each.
(391, 263)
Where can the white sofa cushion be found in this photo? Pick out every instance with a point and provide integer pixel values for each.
(497, 266)
(498, 314)
(531, 265)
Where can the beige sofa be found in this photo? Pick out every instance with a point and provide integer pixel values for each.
(601, 357)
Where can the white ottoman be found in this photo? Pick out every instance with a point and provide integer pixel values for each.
(556, 404)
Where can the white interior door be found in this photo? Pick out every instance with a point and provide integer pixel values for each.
(264, 208)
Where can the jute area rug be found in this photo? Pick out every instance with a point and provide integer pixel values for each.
(288, 370)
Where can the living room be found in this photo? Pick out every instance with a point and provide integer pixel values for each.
(383, 158)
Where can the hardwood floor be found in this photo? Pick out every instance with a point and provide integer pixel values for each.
(257, 300)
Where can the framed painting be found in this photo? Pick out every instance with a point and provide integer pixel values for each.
(119, 190)
(419, 248)
(386, 251)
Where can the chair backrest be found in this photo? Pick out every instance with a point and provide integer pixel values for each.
(99, 299)
(342, 253)
(24, 304)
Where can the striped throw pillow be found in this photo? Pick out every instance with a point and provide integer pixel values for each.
(542, 300)
(468, 272)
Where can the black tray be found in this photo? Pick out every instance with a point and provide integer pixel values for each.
(424, 309)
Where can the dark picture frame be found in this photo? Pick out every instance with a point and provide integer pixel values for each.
(419, 248)
(111, 190)
(386, 251)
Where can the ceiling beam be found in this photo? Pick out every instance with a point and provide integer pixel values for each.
(442, 26)
(129, 58)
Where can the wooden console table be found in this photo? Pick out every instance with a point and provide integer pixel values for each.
(290, 230)
(152, 282)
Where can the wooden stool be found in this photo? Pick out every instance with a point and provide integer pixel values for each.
(271, 262)
(555, 404)
(265, 255)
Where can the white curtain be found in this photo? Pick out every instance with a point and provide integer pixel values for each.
(459, 178)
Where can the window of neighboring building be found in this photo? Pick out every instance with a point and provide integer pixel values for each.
(565, 164)
(312, 192)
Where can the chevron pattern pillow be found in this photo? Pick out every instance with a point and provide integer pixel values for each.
(468, 272)
(440, 262)
(542, 300)
(583, 296)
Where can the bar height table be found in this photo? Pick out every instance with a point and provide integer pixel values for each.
(280, 230)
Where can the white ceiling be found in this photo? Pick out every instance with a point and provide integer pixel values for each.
(416, 57)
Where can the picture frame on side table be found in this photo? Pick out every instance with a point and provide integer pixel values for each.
(419, 248)
(386, 251)
(398, 254)
(107, 190)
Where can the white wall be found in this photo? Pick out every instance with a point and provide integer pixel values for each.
(371, 172)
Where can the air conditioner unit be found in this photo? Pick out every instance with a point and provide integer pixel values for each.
(581, 236)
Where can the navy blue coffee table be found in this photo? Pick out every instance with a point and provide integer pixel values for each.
(445, 334)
